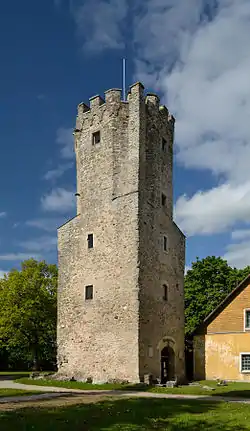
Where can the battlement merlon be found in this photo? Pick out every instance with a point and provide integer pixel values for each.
(82, 108)
(113, 97)
(96, 102)
(153, 101)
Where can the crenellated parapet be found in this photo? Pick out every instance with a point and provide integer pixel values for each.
(101, 109)
(113, 97)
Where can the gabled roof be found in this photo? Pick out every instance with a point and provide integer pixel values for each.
(229, 298)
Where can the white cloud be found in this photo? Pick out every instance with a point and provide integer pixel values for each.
(100, 23)
(162, 31)
(46, 224)
(64, 137)
(208, 88)
(15, 257)
(58, 200)
(58, 172)
(214, 210)
(202, 67)
(240, 234)
(41, 244)
(238, 255)
(187, 268)
(3, 214)
(238, 252)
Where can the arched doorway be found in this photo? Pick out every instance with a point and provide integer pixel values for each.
(167, 364)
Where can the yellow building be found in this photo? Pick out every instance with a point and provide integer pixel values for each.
(222, 344)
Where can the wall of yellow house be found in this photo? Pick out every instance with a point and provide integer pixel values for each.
(218, 356)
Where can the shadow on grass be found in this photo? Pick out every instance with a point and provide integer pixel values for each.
(233, 394)
(12, 376)
(131, 415)
(138, 387)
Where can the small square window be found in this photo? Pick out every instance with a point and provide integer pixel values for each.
(96, 138)
(245, 362)
(163, 200)
(88, 292)
(164, 145)
(165, 292)
(165, 243)
(90, 240)
(247, 319)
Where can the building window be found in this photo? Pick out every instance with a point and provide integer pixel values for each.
(165, 292)
(245, 362)
(150, 352)
(90, 240)
(164, 145)
(88, 292)
(247, 320)
(165, 243)
(96, 138)
(163, 200)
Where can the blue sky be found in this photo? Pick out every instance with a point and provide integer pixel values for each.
(57, 53)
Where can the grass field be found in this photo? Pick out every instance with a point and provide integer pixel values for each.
(79, 385)
(130, 415)
(232, 390)
(16, 392)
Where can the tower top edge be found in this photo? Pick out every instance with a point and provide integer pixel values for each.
(137, 83)
(112, 89)
(113, 95)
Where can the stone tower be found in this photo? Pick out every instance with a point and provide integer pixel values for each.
(121, 259)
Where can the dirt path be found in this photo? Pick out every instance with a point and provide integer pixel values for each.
(55, 392)
(10, 384)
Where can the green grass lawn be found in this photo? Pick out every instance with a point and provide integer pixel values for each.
(232, 390)
(131, 415)
(16, 392)
(79, 385)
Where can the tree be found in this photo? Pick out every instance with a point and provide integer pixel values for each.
(208, 282)
(28, 312)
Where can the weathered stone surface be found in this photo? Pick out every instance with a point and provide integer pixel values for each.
(172, 384)
(148, 379)
(120, 333)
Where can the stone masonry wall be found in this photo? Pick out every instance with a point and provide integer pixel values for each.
(103, 340)
(120, 182)
(160, 320)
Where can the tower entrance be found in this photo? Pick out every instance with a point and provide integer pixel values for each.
(167, 364)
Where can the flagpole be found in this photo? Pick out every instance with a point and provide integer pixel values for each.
(124, 78)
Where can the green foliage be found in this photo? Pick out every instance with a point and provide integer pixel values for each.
(207, 283)
(28, 314)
